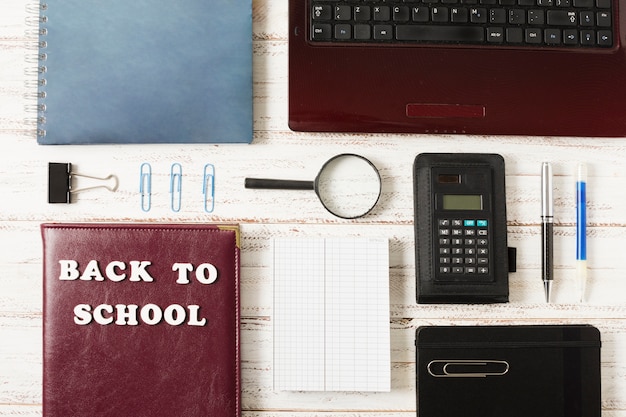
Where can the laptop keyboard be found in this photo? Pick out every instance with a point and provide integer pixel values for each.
(519, 23)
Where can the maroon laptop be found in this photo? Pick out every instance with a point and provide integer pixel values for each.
(506, 67)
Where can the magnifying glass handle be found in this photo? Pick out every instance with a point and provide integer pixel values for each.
(278, 184)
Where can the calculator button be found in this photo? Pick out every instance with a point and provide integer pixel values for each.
(444, 260)
(457, 261)
(457, 251)
(483, 261)
(483, 270)
(444, 241)
(457, 242)
(470, 270)
(482, 232)
(482, 251)
(470, 251)
(444, 232)
(470, 232)
(482, 242)
(458, 270)
(444, 251)
(444, 222)
(481, 223)
(457, 223)
(470, 242)
(469, 223)
(444, 269)
(470, 261)
(457, 232)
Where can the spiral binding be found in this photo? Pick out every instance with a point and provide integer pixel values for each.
(36, 21)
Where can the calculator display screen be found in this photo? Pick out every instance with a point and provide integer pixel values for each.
(462, 202)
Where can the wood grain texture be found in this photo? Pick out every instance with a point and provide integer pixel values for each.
(265, 214)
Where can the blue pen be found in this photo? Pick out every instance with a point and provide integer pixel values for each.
(581, 229)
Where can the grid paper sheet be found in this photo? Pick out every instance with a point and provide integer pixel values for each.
(331, 314)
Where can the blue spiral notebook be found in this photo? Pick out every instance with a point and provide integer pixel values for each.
(145, 71)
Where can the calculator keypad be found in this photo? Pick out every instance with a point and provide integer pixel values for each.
(463, 248)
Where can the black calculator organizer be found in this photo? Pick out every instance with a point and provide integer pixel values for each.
(460, 228)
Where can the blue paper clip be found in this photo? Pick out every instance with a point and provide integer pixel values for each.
(145, 186)
(208, 188)
(176, 179)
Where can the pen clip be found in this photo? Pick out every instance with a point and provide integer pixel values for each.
(176, 179)
(470, 368)
(208, 188)
(145, 186)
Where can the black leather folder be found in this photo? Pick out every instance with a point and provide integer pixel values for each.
(508, 371)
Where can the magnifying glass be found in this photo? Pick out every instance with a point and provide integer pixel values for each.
(347, 185)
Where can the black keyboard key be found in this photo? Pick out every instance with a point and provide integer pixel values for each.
(400, 14)
(478, 15)
(536, 17)
(514, 35)
(533, 36)
(343, 32)
(497, 16)
(382, 13)
(383, 32)
(322, 12)
(587, 37)
(362, 13)
(517, 16)
(552, 36)
(603, 19)
(321, 32)
(587, 18)
(420, 14)
(343, 12)
(587, 4)
(440, 14)
(495, 35)
(562, 18)
(570, 37)
(460, 34)
(362, 32)
(459, 15)
(605, 38)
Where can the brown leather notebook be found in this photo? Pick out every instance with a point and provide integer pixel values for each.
(140, 320)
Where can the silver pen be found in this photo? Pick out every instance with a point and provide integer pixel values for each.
(547, 224)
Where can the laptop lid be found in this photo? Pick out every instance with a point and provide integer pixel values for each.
(452, 88)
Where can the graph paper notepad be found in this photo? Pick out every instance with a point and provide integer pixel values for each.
(331, 314)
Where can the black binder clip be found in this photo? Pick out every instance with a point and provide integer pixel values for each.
(60, 187)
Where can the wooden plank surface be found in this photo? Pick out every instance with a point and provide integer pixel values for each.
(278, 152)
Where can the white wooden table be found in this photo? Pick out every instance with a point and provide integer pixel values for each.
(279, 152)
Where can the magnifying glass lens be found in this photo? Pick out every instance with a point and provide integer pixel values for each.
(348, 186)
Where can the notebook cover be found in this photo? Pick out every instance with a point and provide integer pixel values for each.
(166, 357)
(455, 89)
(144, 71)
(513, 371)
